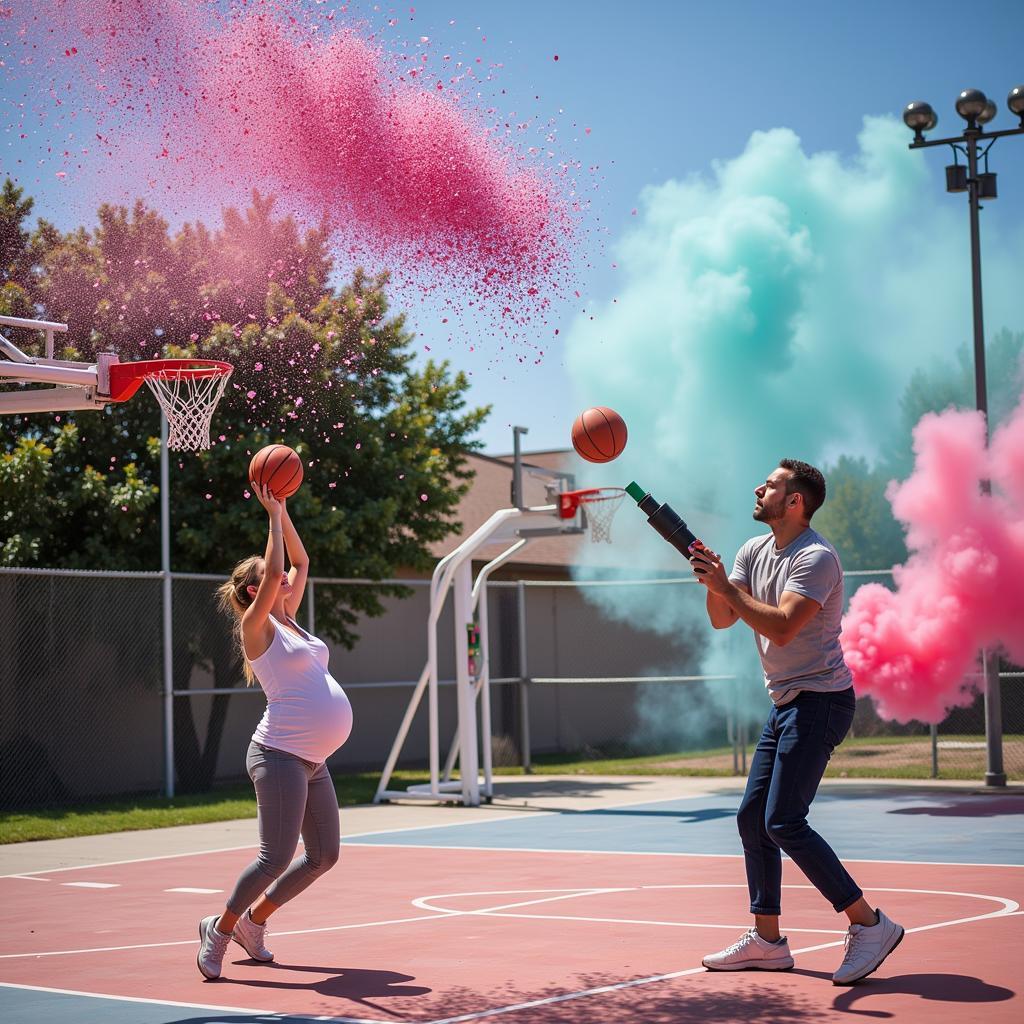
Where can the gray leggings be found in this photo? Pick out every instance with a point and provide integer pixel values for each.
(293, 797)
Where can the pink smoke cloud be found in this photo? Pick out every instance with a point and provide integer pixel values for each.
(915, 649)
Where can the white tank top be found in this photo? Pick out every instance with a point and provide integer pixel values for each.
(307, 712)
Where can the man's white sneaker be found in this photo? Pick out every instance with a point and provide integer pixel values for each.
(212, 946)
(866, 947)
(751, 952)
(251, 937)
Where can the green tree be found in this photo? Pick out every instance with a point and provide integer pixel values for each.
(327, 370)
(951, 383)
(857, 517)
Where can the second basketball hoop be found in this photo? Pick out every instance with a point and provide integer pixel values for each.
(598, 504)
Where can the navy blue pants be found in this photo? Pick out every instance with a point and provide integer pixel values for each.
(790, 759)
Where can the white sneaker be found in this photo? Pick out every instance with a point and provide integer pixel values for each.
(251, 937)
(751, 953)
(866, 947)
(212, 946)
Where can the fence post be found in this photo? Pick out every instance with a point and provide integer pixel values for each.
(168, 638)
(732, 725)
(524, 681)
(933, 729)
(994, 773)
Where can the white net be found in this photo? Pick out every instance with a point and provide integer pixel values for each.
(188, 401)
(600, 507)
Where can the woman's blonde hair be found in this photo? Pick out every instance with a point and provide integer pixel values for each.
(233, 597)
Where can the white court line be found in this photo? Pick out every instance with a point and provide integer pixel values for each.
(94, 885)
(203, 892)
(564, 894)
(436, 915)
(1010, 907)
(193, 942)
(269, 1014)
(620, 986)
(344, 841)
(660, 853)
(347, 841)
(27, 878)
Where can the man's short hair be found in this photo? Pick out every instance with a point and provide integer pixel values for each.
(808, 482)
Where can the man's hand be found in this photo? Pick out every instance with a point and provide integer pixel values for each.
(708, 569)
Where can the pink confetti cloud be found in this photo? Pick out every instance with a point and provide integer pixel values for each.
(270, 94)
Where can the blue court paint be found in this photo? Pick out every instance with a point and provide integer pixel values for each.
(859, 823)
(23, 1006)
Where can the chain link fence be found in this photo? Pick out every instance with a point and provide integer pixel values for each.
(80, 685)
(89, 706)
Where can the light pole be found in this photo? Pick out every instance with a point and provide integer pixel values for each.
(977, 110)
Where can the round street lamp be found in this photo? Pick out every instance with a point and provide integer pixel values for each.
(977, 110)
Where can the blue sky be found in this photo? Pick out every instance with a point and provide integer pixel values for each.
(670, 90)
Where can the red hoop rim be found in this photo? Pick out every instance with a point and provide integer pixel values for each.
(127, 378)
(569, 501)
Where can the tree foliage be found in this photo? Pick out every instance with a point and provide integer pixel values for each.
(325, 369)
(857, 517)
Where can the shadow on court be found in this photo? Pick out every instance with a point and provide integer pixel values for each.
(991, 808)
(564, 787)
(352, 984)
(686, 816)
(638, 1006)
(942, 988)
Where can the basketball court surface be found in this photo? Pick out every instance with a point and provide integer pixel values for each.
(578, 900)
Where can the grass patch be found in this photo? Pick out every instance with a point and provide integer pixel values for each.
(867, 757)
(146, 812)
(595, 763)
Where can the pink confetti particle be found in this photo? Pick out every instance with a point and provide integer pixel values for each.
(423, 497)
(250, 394)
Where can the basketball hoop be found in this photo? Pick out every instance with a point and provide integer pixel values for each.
(188, 391)
(599, 506)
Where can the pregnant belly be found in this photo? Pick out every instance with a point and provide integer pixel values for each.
(334, 718)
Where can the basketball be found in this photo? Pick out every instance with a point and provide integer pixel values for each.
(279, 467)
(599, 434)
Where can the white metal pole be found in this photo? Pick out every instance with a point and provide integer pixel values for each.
(468, 759)
(524, 680)
(486, 731)
(403, 731)
(165, 569)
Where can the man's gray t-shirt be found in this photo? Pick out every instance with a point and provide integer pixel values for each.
(809, 566)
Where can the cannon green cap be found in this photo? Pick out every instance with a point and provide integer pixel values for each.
(635, 491)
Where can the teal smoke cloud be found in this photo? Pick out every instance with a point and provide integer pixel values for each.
(773, 308)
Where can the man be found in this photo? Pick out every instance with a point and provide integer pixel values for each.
(788, 587)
